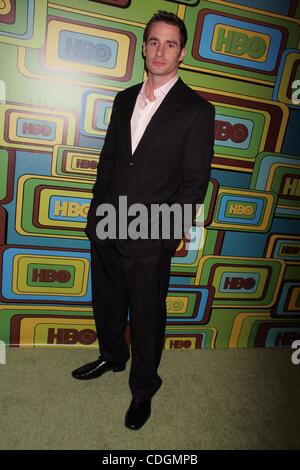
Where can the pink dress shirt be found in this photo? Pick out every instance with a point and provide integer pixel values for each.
(145, 109)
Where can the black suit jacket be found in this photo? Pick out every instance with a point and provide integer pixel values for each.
(170, 164)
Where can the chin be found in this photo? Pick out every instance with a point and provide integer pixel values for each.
(158, 71)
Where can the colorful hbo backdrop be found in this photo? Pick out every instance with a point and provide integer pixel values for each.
(62, 63)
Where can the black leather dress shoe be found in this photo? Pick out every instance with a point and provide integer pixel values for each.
(95, 369)
(138, 413)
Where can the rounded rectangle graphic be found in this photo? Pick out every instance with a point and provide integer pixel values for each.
(288, 304)
(239, 209)
(80, 48)
(284, 89)
(280, 174)
(36, 128)
(41, 275)
(96, 112)
(237, 42)
(189, 304)
(282, 246)
(23, 22)
(52, 207)
(79, 162)
(233, 125)
(241, 282)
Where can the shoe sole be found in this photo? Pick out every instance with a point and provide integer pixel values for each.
(116, 369)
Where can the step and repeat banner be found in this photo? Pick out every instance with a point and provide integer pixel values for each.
(62, 63)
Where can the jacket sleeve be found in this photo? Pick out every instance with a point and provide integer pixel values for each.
(198, 154)
(196, 164)
(107, 158)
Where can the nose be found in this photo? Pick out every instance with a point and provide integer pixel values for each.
(160, 50)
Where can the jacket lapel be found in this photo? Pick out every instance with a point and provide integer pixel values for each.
(169, 105)
(128, 113)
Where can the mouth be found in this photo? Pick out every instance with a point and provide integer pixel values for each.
(159, 64)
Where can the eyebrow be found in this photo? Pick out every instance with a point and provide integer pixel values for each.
(170, 41)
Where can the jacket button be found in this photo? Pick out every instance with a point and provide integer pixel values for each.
(130, 163)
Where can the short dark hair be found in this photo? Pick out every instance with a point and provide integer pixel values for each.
(169, 18)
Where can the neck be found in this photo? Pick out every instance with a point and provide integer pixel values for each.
(156, 81)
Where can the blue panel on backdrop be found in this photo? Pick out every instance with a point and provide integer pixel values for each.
(244, 244)
(291, 143)
(275, 6)
(91, 142)
(231, 179)
(282, 225)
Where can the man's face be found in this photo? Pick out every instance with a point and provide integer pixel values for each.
(162, 50)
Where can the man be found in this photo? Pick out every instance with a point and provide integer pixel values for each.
(158, 149)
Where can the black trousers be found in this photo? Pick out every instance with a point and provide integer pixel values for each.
(140, 284)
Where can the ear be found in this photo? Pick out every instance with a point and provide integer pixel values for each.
(144, 49)
(182, 54)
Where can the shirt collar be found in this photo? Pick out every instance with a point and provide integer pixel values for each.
(158, 92)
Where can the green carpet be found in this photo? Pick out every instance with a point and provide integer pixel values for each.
(210, 399)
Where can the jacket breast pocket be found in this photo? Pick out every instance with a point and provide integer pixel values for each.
(170, 131)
